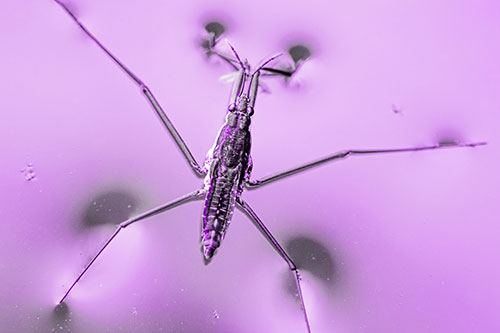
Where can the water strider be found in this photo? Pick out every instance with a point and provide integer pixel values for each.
(228, 165)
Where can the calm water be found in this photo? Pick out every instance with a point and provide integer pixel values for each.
(387, 243)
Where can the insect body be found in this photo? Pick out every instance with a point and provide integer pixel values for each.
(228, 165)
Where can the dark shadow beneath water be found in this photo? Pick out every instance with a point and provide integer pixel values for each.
(312, 256)
(299, 53)
(111, 207)
(60, 319)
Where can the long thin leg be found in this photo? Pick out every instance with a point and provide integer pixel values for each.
(169, 205)
(149, 95)
(262, 228)
(344, 154)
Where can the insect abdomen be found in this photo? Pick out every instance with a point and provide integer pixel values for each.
(219, 208)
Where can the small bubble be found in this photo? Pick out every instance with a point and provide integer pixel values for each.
(129, 206)
(216, 315)
(134, 311)
(28, 172)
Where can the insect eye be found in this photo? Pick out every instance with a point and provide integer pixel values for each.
(250, 110)
(231, 107)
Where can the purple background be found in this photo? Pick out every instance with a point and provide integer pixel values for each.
(412, 238)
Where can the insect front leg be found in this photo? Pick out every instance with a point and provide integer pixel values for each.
(274, 243)
(346, 153)
(160, 209)
(199, 171)
(214, 30)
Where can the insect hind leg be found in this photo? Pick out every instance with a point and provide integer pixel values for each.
(157, 210)
(274, 243)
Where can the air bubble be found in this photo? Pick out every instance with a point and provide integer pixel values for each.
(29, 172)
(215, 314)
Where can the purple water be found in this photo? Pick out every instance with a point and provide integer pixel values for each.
(394, 243)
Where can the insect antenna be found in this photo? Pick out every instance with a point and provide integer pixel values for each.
(266, 62)
(236, 55)
(252, 78)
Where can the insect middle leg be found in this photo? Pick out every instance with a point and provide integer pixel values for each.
(262, 228)
(346, 153)
(199, 171)
(169, 205)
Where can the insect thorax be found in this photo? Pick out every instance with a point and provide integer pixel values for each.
(229, 165)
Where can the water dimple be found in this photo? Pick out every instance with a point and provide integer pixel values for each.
(109, 207)
(299, 53)
(216, 28)
(397, 110)
(447, 142)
